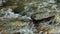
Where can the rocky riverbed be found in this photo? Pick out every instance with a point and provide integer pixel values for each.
(34, 17)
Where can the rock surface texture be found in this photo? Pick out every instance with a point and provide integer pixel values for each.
(31, 17)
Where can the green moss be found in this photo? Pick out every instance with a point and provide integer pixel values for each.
(19, 9)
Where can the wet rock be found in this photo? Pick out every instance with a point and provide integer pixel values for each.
(25, 31)
(7, 13)
(17, 33)
(43, 18)
(24, 18)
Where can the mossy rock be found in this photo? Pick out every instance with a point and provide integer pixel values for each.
(19, 9)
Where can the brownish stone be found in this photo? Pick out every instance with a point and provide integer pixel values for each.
(3, 32)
